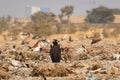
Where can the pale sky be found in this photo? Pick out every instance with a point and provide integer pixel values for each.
(19, 8)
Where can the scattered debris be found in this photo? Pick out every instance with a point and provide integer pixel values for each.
(80, 60)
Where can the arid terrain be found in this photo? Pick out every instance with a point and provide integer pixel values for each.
(81, 60)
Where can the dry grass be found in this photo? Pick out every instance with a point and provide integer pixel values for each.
(117, 19)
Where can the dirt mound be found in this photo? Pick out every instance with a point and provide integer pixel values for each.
(49, 69)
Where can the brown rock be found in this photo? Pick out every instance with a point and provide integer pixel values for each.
(4, 74)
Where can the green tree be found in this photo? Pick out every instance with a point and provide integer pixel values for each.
(100, 15)
(9, 18)
(3, 24)
(42, 22)
(116, 11)
(67, 10)
(60, 17)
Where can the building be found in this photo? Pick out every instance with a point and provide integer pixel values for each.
(35, 9)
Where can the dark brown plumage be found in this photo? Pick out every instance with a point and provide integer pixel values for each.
(55, 52)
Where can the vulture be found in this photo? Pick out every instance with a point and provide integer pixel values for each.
(55, 51)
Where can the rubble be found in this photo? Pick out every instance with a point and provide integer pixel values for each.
(82, 61)
(49, 69)
(4, 75)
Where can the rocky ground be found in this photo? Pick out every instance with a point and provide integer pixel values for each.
(100, 61)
